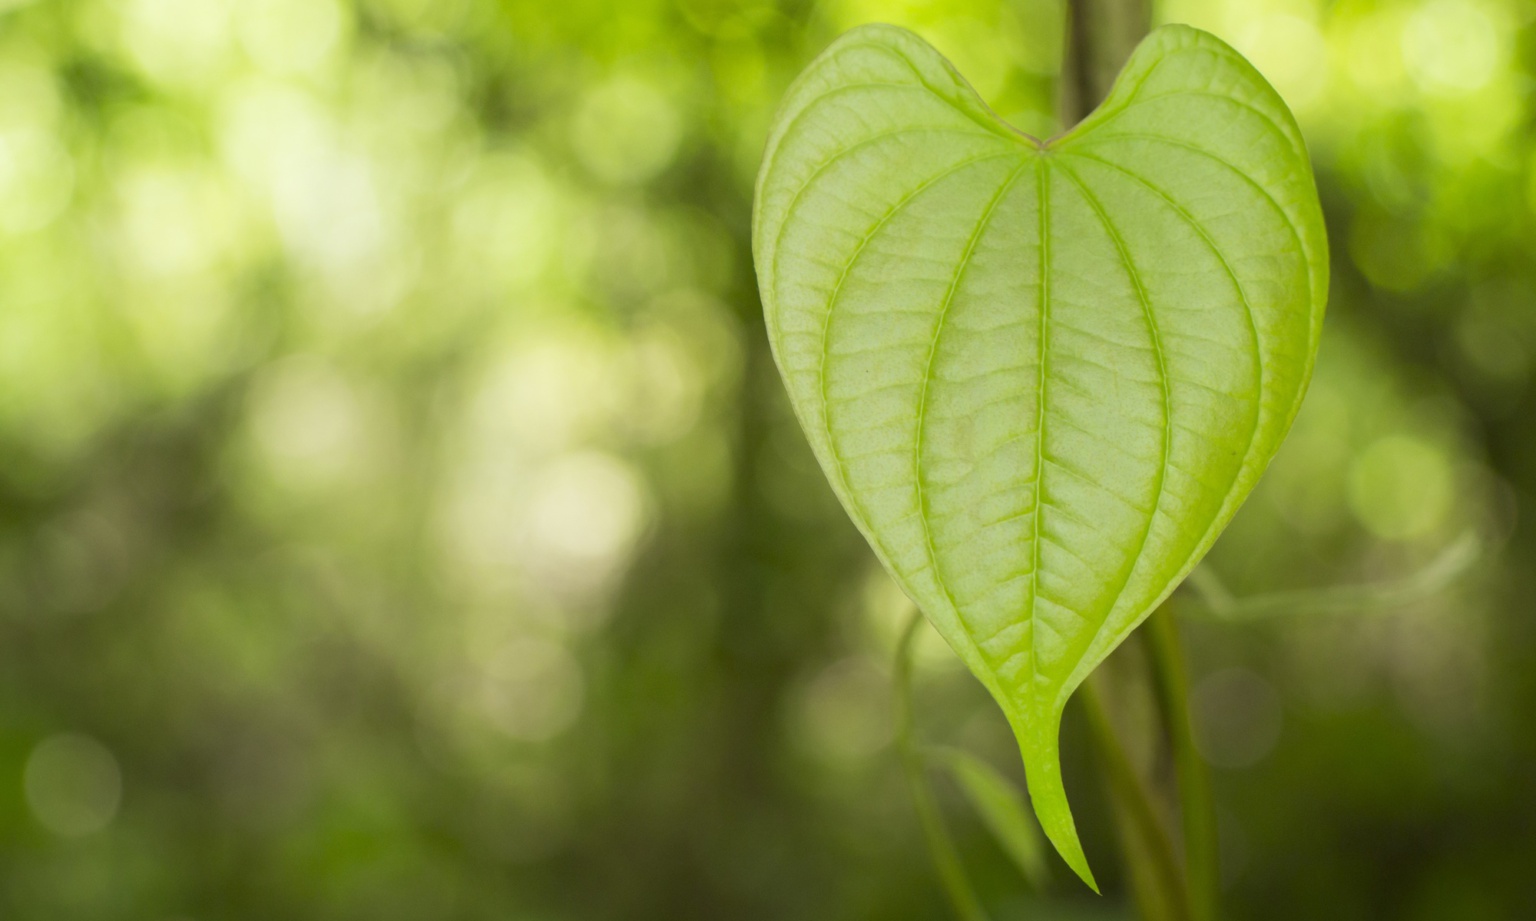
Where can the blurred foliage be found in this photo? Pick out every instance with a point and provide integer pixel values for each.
(400, 516)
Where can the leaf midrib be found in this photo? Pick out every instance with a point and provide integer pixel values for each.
(1043, 336)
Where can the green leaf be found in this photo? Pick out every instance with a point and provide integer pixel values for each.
(1002, 810)
(1040, 376)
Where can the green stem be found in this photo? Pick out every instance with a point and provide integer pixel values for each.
(1215, 602)
(1196, 803)
(1150, 859)
(940, 846)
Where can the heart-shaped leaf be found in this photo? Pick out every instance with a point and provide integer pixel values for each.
(1040, 376)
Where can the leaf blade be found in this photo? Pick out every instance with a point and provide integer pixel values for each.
(1040, 401)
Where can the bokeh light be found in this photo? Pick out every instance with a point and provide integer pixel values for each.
(400, 515)
(73, 784)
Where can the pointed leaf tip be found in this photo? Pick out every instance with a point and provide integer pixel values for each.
(1048, 794)
(1040, 377)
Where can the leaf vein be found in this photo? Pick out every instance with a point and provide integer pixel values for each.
(836, 294)
(928, 373)
(1258, 353)
(1162, 372)
(1044, 192)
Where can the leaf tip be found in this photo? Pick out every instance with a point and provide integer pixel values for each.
(1048, 795)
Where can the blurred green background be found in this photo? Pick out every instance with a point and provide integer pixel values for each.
(401, 518)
